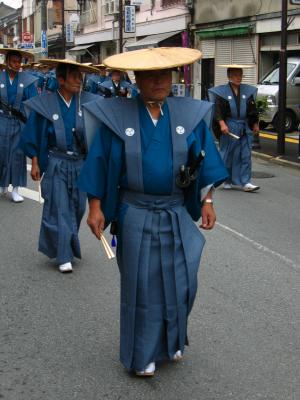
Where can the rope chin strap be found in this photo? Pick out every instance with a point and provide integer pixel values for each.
(156, 104)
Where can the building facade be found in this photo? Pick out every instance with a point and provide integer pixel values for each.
(242, 32)
(10, 26)
(157, 22)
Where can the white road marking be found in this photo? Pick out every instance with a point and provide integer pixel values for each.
(260, 246)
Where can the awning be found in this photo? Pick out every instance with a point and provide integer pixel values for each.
(151, 41)
(80, 50)
(224, 32)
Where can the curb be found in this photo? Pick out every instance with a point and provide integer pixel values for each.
(276, 160)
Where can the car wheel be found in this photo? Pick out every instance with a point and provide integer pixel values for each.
(263, 124)
(290, 122)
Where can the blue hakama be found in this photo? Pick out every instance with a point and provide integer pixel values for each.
(12, 159)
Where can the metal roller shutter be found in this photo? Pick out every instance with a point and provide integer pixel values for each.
(239, 50)
(208, 48)
(244, 52)
(223, 56)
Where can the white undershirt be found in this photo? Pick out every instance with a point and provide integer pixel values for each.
(67, 103)
(155, 121)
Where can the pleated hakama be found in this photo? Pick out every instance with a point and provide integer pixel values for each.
(63, 209)
(12, 158)
(159, 251)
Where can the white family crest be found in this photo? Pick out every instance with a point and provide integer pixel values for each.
(180, 130)
(129, 131)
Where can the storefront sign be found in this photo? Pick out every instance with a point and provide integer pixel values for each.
(69, 33)
(129, 19)
(27, 37)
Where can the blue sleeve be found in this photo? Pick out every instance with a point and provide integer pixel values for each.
(102, 171)
(31, 91)
(212, 170)
(94, 174)
(34, 139)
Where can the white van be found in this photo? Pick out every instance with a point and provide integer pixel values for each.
(269, 87)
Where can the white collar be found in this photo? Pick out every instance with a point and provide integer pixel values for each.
(67, 103)
(155, 121)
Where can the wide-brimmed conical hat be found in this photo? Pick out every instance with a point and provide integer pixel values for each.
(152, 59)
(235, 66)
(52, 62)
(23, 53)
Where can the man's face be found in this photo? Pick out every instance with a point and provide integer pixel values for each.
(235, 76)
(116, 76)
(72, 83)
(154, 85)
(14, 62)
(102, 71)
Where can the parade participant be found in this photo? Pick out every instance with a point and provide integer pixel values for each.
(51, 83)
(117, 85)
(54, 139)
(93, 81)
(102, 71)
(130, 175)
(15, 87)
(237, 117)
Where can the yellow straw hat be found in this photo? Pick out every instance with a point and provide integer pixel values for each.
(23, 53)
(237, 66)
(153, 59)
(52, 62)
(99, 66)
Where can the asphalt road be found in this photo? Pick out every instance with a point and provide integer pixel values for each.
(59, 333)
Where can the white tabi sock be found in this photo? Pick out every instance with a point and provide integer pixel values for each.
(66, 267)
(148, 371)
(16, 198)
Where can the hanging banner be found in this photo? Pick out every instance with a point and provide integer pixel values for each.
(129, 19)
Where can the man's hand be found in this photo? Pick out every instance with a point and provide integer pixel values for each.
(208, 216)
(96, 219)
(223, 127)
(35, 170)
(256, 129)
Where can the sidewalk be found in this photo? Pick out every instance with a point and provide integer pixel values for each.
(268, 149)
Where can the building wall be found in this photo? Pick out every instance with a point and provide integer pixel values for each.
(207, 11)
(151, 19)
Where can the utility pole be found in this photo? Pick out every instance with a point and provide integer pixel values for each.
(63, 31)
(44, 41)
(282, 81)
(120, 26)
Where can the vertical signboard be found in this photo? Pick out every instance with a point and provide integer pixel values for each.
(129, 19)
(69, 33)
(44, 44)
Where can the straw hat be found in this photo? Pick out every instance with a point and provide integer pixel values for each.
(23, 53)
(153, 59)
(236, 66)
(99, 66)
(52, 62)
